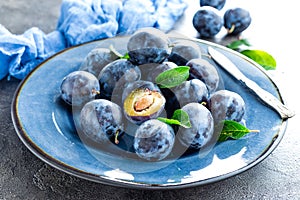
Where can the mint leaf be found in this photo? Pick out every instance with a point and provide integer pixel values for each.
(169, 121)
(234, 130)
(173, 77)
(180, 117)
(235, 45)
(261, 57)
(183, 117)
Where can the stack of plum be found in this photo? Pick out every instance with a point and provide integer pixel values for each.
(128, 95)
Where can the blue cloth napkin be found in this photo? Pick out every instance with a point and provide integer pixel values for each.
(80, 22)
(161, 14)
(87, 20)
(19, 54)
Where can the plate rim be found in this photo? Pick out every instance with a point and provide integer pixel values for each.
(132, 184)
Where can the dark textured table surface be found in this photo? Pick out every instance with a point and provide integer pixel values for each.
(24, 176)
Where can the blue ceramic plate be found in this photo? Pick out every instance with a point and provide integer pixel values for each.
(46, 127)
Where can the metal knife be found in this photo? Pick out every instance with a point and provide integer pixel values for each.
(267, 97)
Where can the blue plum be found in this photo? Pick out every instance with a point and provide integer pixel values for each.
(207, 22)
(206, 72)
(236, 20)
(183, 51)
(101, 120)
(154, 140)
(79, 87)
(97, 59)
(202, 127)
(191, 91)
(116, 76)
(148, 45)
(226, 105)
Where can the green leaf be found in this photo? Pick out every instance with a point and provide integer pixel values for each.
(180, 117)
(183, 117)
(173, 77)
(261, 57)
(234, 130)
(169, 121)
(238, 43)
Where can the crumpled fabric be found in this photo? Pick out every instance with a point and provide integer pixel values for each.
(87, 20)
(82, 21)
(161, 14)
(20, 54)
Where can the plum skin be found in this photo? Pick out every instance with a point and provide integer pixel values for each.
(101, 120)
(97, 59)
(148, 45)
(154, 140)
(79, 87)
(190, 91)
(183, 51)
(207, 22)
(202, 127)
(116, 76)
(236, 20)
(206, 72)
(227, 105)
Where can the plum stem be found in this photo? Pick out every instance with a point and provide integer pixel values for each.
(95, 91)
(204, 103)
(116, 137)
(229, 31)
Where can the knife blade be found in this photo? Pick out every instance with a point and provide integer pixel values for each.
(264, 95)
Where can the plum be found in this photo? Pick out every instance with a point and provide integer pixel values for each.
(202, 127)
(142, 100)
(79, 87)
(226, 105)
(207, 22)
(154, 140)
(206, 72)
(116, 75)
(236, 20)
(183, 51)
(148, 45)
(101, 121)
(97, 59)
(191, 91)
